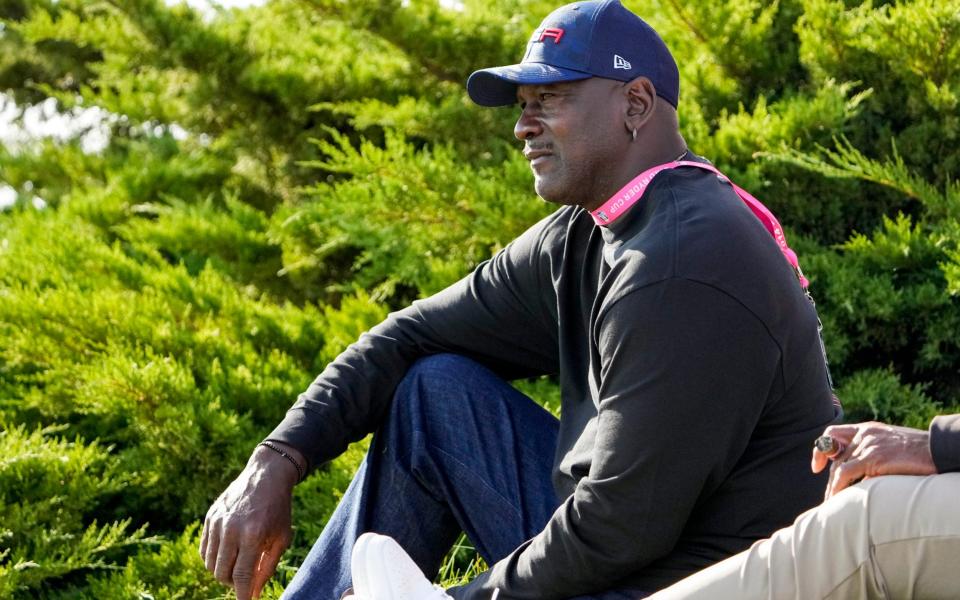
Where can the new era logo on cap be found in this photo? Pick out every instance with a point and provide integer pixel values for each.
(620, 62)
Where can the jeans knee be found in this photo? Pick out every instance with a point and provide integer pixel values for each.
(438, 375)
(440, 366)
(435, 384)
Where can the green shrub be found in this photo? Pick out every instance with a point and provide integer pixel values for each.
(162, 570)
(878, 395)
(50, 490)
(142, 355)
(405, 222)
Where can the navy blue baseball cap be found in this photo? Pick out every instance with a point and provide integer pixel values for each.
(578, 41)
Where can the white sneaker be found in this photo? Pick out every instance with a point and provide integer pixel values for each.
(382, 570)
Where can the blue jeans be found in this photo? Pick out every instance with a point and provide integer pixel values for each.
(461, 450)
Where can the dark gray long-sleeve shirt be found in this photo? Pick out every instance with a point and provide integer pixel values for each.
(692, 379)
(945, 442)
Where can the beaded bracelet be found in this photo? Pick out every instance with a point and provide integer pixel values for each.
(287, 456)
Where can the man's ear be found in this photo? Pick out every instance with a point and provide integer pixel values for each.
(641, 103)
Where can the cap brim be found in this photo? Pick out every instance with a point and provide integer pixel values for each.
(497, 86)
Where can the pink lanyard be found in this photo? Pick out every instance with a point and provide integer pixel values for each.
(630, 194)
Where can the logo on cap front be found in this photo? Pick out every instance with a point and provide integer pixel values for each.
(620, 62)
(551, 32)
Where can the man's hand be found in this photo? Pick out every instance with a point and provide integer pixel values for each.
(874, 449)
(248, 527)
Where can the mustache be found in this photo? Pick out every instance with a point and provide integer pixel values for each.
(532, 146)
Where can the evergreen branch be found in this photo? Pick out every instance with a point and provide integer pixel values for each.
(383, 24)
(847, 162)
(703, 38)
(432, 39)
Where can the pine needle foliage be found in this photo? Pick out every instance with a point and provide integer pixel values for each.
(50, 488)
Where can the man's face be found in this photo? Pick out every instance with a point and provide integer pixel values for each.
(575, 139)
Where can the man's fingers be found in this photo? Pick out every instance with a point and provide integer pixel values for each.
(849, 451)
(829, 487)
(845, 474)
(225, 558)
(866, 444)
(818, 461)
(204, 533)
(243, 570)
(268, 565)
(821, 460)
(243, 523)
(842, 433)
(845, 435)
(212, 547)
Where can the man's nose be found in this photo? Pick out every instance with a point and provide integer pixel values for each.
(528, 126)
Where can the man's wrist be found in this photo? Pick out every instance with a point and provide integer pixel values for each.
(270, 452)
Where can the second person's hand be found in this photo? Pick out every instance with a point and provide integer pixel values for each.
(873, 449)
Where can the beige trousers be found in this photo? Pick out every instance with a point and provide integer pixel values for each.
(895, 537)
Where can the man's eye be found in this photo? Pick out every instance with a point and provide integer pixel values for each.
(546, 95)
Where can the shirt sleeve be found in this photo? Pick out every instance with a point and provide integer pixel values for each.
(499, 315)
(945, 443)
(686, 374)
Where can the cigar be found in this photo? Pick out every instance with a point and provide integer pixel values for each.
(828, 446)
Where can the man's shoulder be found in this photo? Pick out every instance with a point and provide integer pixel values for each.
(699, 230)
(712, 231)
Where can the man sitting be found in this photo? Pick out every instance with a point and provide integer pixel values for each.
(691, 371)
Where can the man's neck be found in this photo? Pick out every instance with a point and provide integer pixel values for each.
(639, 161)
(672, 148)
